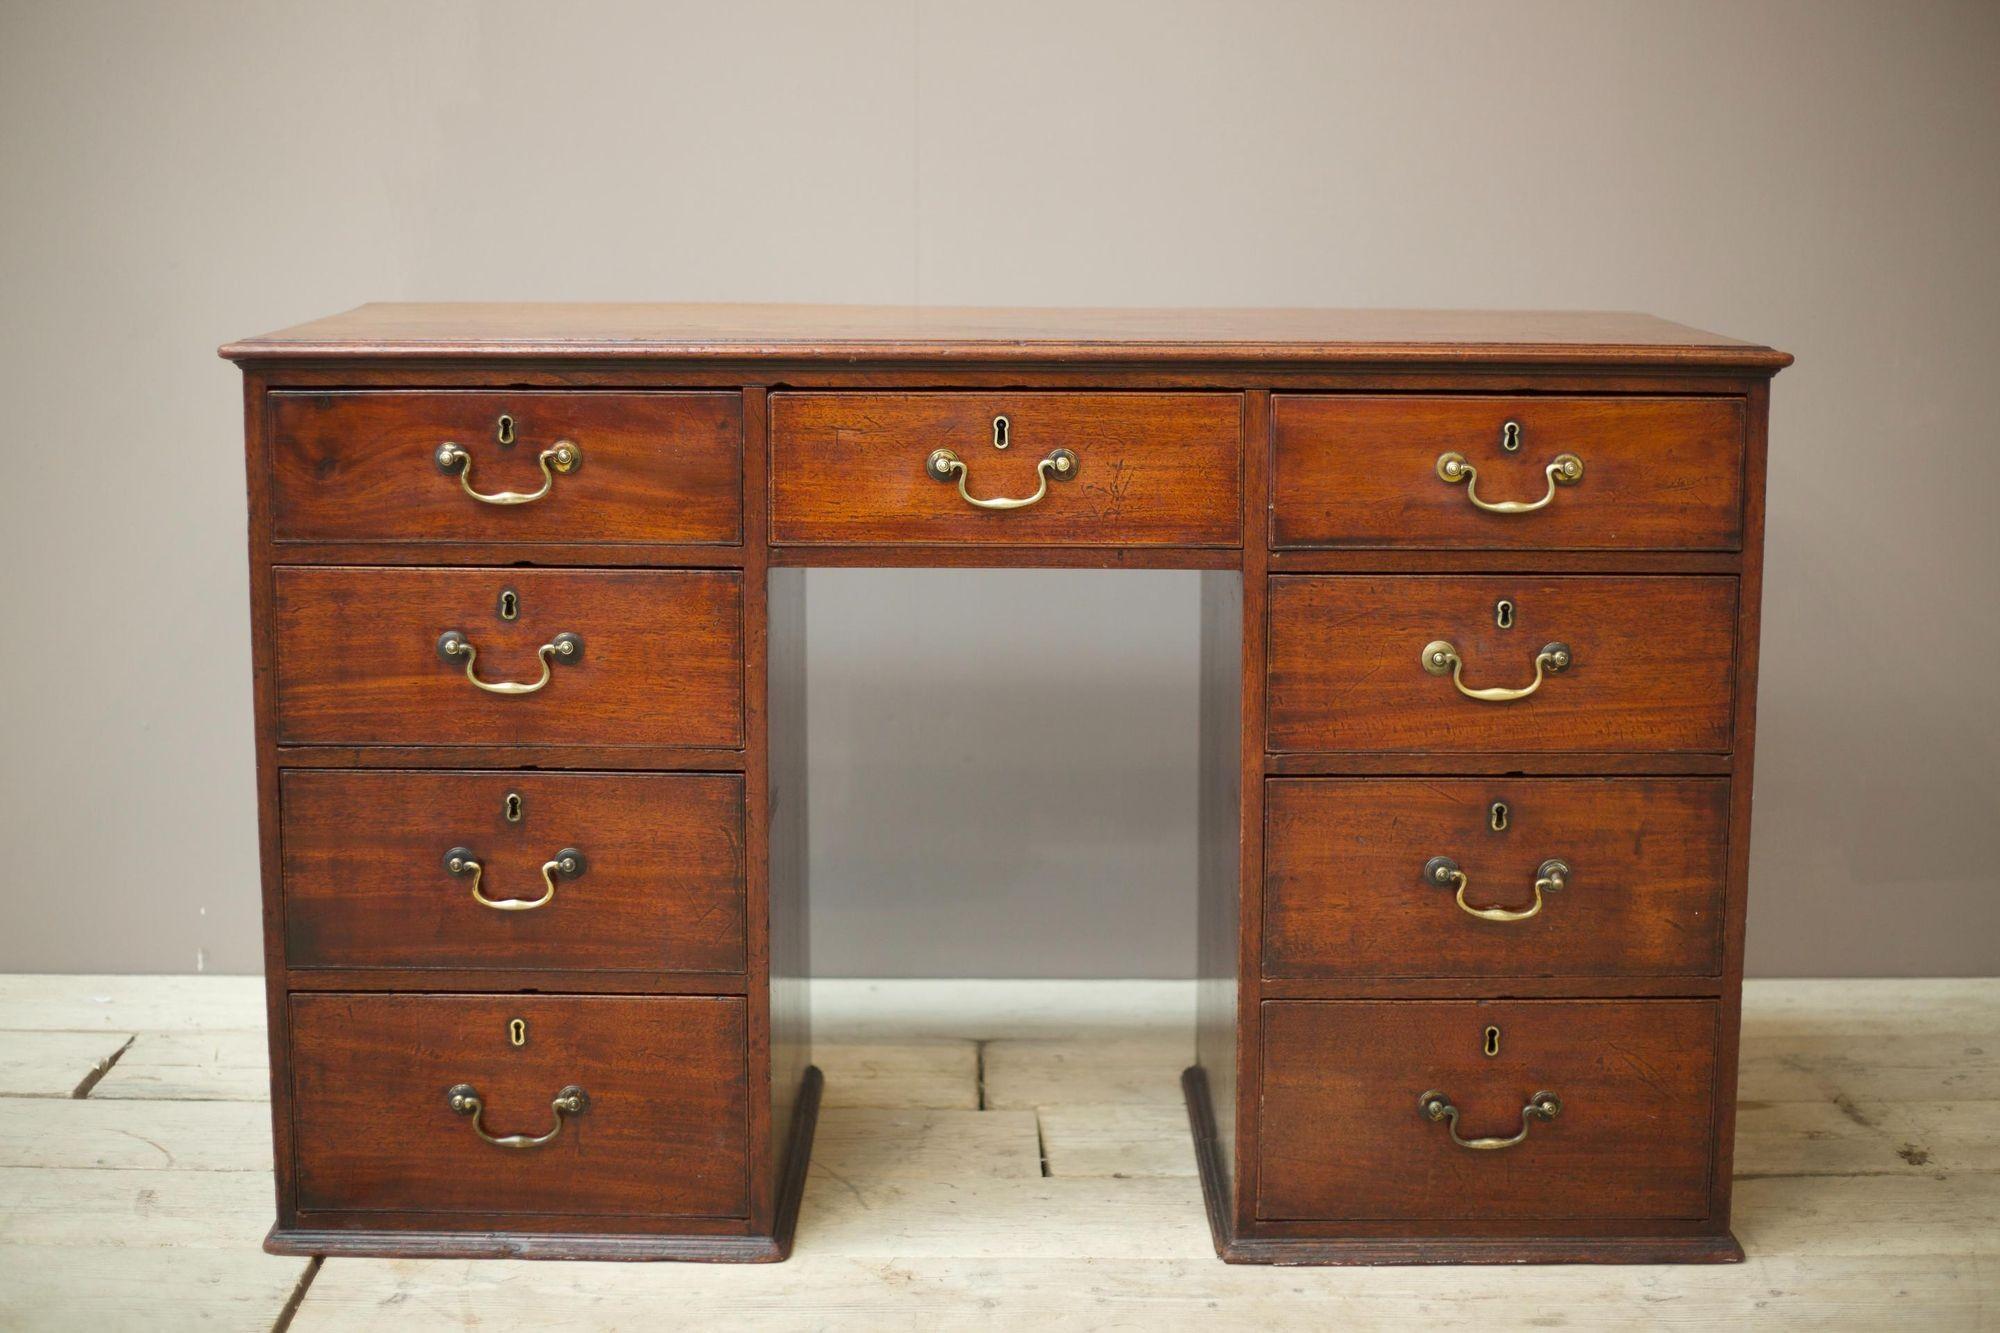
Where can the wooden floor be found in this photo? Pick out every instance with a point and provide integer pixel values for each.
(992, 1154)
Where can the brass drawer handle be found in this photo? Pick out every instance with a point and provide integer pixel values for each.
(566, 648)
(943, 465)
(564, 457)
(1436, 1106)
(1563, 470)
(1440, 658)
(1550, 876)
(568, 864)
(464, 1099)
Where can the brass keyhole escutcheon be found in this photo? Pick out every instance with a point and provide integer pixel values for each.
(1001, 427)
(1491, 1045)
(517, 1032)
(1497, 816)
(503, 430)
(1510, 437)
(510, 604)
(511, 807)
(1503, 613)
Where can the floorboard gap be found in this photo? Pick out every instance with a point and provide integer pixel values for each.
(96, 1076)
(1041, 1143)
(298, 1296)
(979, 1074)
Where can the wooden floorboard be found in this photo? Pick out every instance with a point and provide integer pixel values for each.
(128, 1136)
(941, 1075)
(147, 1289)
(60, 1207)
(220, 1065)
(1137, 1071)
(34, 1003)
(55, 1064)
(992, 1155)
(1116, 1139)
(924, 1144)
(1146, 1292)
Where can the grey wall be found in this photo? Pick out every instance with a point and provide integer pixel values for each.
(1004, 763)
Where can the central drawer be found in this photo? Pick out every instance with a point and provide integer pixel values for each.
(382, 656)
(1095, 469)
(661, 1126)
(513, 872)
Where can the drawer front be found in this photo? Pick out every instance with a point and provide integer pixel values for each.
(648, 467)
(1650, 663)
(1345, 1135)
(1143, 469)
(657, 884)
(359, 659)
(1364, 471)
(1351, 887)
(663, 1127)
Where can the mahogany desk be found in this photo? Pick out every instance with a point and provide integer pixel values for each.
(1479, 654)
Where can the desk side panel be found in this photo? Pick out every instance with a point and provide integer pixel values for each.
(1219, 892)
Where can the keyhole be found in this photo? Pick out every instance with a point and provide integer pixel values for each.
(1497, 817)
(1503, 613)
(511, 807)
(510, 604)
(505, 429)
(517, 1032)
(1492, 1046)
(1000, 428)
(1510, 436)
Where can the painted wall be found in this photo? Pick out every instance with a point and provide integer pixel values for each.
(1820, 176)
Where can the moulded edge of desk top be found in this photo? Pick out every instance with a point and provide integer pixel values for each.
(562, 330)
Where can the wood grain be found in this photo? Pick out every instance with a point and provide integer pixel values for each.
(1344, 893)
(1152, 469)
(664, 1132)
(359, 466)
(357, 659)
(56, 1064)
(859, 333)
(366, 887)
(1343, 1136)
(1226, 432)
(1652, 669)
(1360, 470)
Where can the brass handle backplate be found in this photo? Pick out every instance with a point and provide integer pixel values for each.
(1550, 876)
(453, 460)
(465, 1100)
(1440, 659)
(1563, 470)
(569, 863)
(946, 466)
(1436, 1106)
(453, 646)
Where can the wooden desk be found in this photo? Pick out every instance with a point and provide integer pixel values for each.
(1479, 646)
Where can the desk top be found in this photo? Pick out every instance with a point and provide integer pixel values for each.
(854, 333)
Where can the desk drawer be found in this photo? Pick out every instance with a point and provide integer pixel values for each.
(657, 884)
(1350, 888)
(1111, 469)
(361, 657)
(662, 1127)
(364, 466)
(1650, 663)
(1345, 1137)
(1368, 471)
